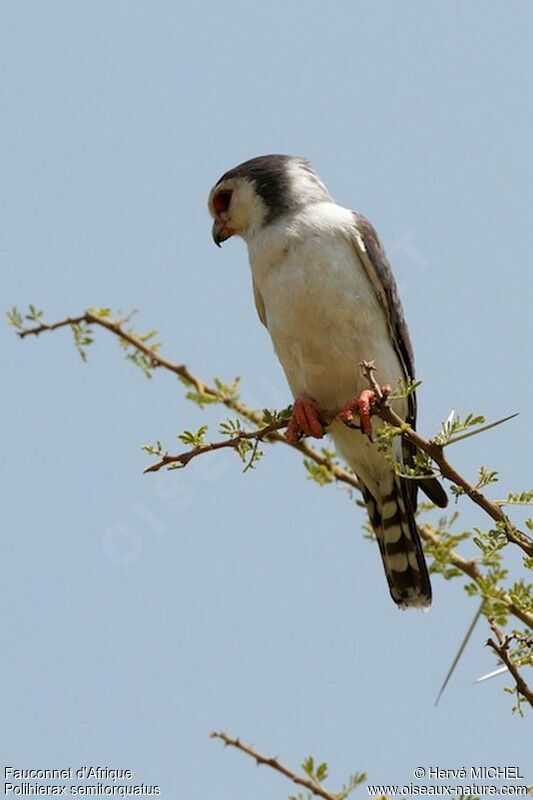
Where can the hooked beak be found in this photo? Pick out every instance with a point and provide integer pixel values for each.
(220, 232)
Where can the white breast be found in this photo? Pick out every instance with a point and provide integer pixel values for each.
(321, 310)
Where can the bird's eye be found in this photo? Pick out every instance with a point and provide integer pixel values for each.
(221, 201)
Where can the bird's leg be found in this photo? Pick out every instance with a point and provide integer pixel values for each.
(305, 420)
(364, 404)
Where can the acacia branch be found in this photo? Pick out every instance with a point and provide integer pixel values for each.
(384, 410)
(116, 327)
(500, 645)
(308, 784)
(269, 432)
(184, 458)
(52, 326)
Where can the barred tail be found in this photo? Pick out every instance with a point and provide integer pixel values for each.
(393, 521)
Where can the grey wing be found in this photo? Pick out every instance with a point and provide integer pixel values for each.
(376, 264)
(375, 261)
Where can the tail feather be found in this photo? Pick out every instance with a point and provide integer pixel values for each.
(433, 489)
(393, 521)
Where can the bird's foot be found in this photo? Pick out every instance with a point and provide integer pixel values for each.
(364, 404)
(305, 420)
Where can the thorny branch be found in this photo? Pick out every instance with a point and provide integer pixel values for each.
(157, 360)
(384, 410)
(258, 435)
(500, 644)
(436, 452)
(307, 783)
(272, 433)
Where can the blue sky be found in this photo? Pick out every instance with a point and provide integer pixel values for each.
(245, 602)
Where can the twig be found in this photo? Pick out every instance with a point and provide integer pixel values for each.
(115, 327)
(270, 431)
(51, 326)
(436, 452)
(501, 648)
(308, 784)
(184, 458)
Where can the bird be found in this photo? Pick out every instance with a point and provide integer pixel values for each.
(324, 289)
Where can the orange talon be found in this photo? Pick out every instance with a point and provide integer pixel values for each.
(305, 420)
(292, 433)
(362, 405)
(365, 400)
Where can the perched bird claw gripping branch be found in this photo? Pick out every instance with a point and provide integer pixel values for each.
(364, 404)
(305, 420)
(324, 289)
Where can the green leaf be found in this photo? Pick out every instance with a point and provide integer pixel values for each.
(154, 449)
(15, 318)
(228, 391)
(454, 425)
(254, 457)
(103, 312)
(196, 439)
(230, 427)
(308, 766)
(519, 498)
(201, 399)
(486, 477)
(404, 389)
(33, 315)
(82, 333)
(318, 472)
(271, 416)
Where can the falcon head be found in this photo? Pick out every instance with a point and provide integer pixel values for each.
(257, 192)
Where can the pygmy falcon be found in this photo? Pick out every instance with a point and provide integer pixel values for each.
(324, 290)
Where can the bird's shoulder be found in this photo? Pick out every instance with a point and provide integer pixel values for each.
(315, 232)
(324, 219)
